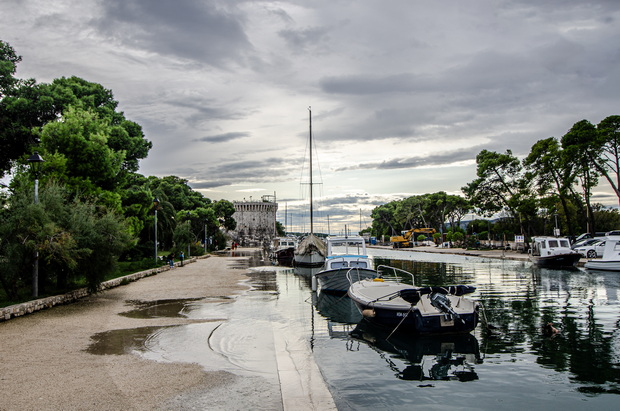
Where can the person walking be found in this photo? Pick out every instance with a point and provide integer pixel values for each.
(181, 256)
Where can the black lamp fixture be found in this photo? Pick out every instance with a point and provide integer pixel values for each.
(35, 161)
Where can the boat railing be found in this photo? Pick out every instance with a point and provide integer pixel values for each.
(393, 274)
(358, 273)
(389, 273)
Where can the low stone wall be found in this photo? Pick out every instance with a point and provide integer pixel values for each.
(29, 307)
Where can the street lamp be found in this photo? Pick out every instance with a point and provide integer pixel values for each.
(189, 226)
(205, 236)
(35, 161)
(156, 206)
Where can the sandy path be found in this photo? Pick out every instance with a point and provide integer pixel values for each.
(44, 365)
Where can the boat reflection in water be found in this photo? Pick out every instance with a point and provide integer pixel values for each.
(338, 308)
(428, 358)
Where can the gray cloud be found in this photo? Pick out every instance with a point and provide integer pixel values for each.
(223, 138)
(208, 32)
(394, 86)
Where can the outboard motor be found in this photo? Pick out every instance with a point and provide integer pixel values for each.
(442, 303)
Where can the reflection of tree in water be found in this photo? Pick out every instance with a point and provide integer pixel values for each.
(582, 348)
(428, 273)
(518, 302)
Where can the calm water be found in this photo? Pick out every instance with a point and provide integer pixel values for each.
(514, 366)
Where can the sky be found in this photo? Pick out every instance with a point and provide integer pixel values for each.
(403, 93)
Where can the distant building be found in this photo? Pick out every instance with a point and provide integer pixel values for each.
(256, 221)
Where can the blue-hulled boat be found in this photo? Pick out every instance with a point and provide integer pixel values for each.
(425, 310)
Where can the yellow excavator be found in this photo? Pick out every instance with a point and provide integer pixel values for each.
(407, 238)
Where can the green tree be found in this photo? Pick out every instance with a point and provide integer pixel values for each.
(500, 185)
(76, 241)
(8, 66)
(280, 231)
(581, 152)
(383, 221)
(608, 162)
(79, 141)
(26, 106)
(553, 174)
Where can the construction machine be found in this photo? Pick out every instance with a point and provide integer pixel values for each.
(409, 237)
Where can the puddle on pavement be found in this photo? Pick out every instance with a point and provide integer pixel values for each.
(225, 338)
(160, 308)
(263, 279)
(183, 307)
(254, 259)
(119, 342)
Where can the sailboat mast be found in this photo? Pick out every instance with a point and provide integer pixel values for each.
(311, 209)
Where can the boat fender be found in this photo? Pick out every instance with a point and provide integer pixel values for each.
(378, 279)
(368, 313)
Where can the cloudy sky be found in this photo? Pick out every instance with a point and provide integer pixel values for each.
(404, 93)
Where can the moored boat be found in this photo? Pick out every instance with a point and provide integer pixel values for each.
(284, 250)
(423, 310)
(311, 250)
(553, 252)
(344, 254)
(611, 256)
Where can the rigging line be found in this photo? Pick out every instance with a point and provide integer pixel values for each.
(401, 321)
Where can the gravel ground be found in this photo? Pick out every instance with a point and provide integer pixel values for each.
(45, 365)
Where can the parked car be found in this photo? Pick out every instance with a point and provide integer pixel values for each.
(585, 242)
(593, 250)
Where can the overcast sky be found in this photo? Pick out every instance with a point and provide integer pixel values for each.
(404, 93)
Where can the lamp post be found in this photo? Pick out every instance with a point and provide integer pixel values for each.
(156, 206)
(189, 228)
(205, 236)
(35, 161)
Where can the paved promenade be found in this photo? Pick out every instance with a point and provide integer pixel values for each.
(47, 360)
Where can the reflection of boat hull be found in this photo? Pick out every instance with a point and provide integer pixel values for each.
(306, 272)
(556, 261)
(603, 265)
(412, 347)
(338, 308)
(336, 280)
(448, 356)
(382, 303)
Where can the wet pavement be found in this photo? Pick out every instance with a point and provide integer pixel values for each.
(250, 338)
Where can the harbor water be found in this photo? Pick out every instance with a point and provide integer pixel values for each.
(509, 364)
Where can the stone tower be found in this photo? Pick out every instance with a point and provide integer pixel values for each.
(256, 221)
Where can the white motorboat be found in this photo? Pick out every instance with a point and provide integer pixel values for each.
(423, 310)
(553, 252)
(344, 254)
(611, 256)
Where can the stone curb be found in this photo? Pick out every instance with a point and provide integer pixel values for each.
(29, 307)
